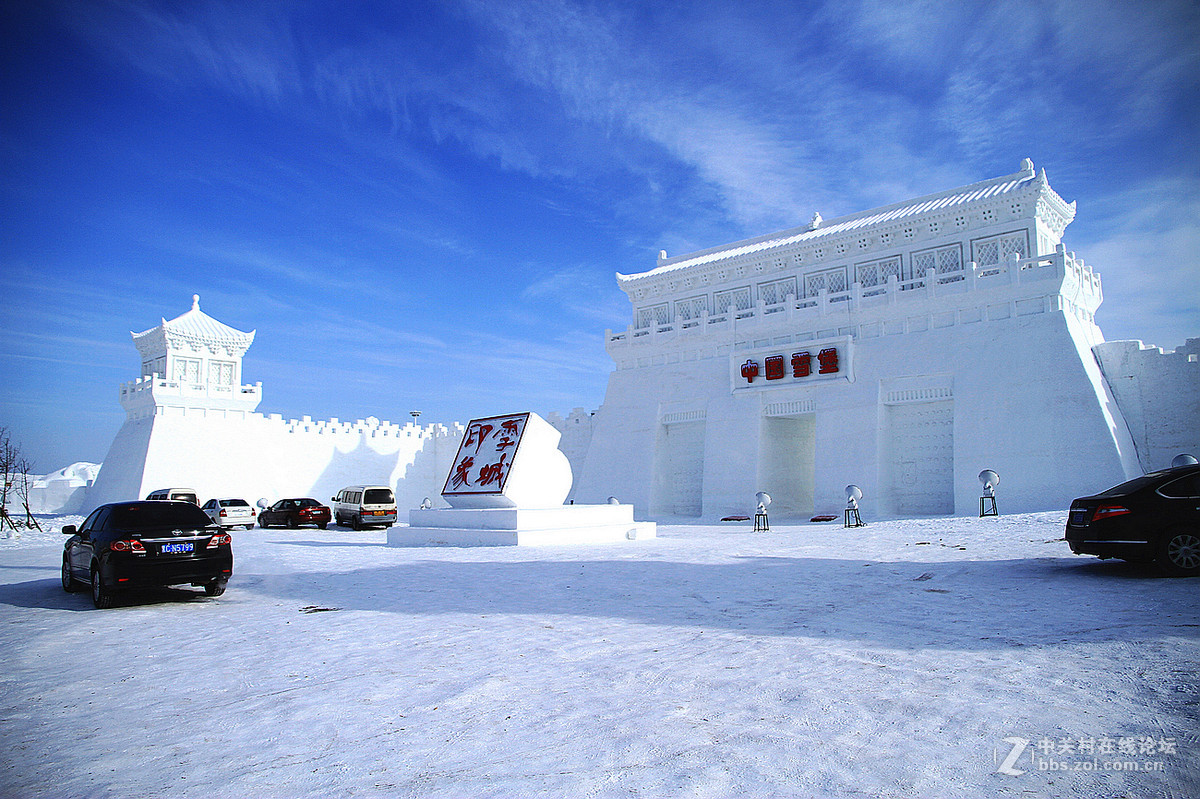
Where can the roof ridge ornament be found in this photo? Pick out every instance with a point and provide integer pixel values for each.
(816, 221)
(195, 302)
(1027, 165)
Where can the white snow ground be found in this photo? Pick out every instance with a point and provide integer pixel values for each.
(894, 660)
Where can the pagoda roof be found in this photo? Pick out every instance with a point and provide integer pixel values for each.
(196, 328)
(827, 228)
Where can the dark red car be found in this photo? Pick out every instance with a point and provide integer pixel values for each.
(295, 512)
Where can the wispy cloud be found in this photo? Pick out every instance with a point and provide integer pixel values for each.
(1144, 245)
(246, 48)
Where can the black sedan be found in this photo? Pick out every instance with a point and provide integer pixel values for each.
(1155, 517)
(149, 543)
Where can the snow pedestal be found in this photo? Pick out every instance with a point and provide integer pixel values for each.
(506, 488)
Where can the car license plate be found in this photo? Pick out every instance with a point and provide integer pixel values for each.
(175, 549)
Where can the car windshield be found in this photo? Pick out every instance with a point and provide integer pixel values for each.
(234, 503)
(378, 496)
(155, 515)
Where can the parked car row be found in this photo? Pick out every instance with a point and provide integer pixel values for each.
(170, 539)
(354, 506)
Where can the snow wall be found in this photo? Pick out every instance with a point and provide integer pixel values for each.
(1158, 394)
(222, 452)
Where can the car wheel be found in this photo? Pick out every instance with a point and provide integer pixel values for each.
(102, 596)
(69, 583)
(356, 522)
(323, 525)
(263, 523)
(1179, 553)
(292, 522)
(215, 588)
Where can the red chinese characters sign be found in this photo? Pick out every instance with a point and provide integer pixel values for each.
(485, 455)
(804, 363)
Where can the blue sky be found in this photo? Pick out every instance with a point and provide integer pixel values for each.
(421, 205)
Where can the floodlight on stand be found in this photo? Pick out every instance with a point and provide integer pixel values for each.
(262, 502)
(987, 502)
(851, 517)
(761, 523)
(426, 503)
(1183, 459)
(614, 501)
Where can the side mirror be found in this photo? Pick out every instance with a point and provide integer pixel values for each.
(70, 529)
(333, 499)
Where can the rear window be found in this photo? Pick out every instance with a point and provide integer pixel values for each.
(309, 503)
(1136, 484)
(379, 496)
(234, 503)
(186, 498)
(155, 515)
(1183, 487)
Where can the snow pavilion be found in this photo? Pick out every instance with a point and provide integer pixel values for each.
(902, 349)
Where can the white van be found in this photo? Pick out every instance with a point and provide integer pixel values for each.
(179, 494)
(361, 506)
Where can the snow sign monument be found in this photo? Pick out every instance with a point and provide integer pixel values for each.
(507, 486)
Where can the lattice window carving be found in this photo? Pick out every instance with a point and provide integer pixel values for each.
(186, 370)
(776, 291)
(876, 273)
(923, 262)
(949, 259)
(653, 315)
(691, 308)
(734, 299)
(994, 250)
(831, 280)
(220, 373)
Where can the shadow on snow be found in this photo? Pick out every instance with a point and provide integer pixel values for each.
(914, 605)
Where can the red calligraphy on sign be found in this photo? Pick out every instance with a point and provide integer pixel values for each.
(774, 367)
(829, 361)
(477, 435)
(801, 364)
(462, 472)
(492, 472)
(750, 371)
(511, 427)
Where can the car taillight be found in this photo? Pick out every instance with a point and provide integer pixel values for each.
(130, 545)
(223, 512)
(219, 539)
(1109, 511)
(252, 512)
